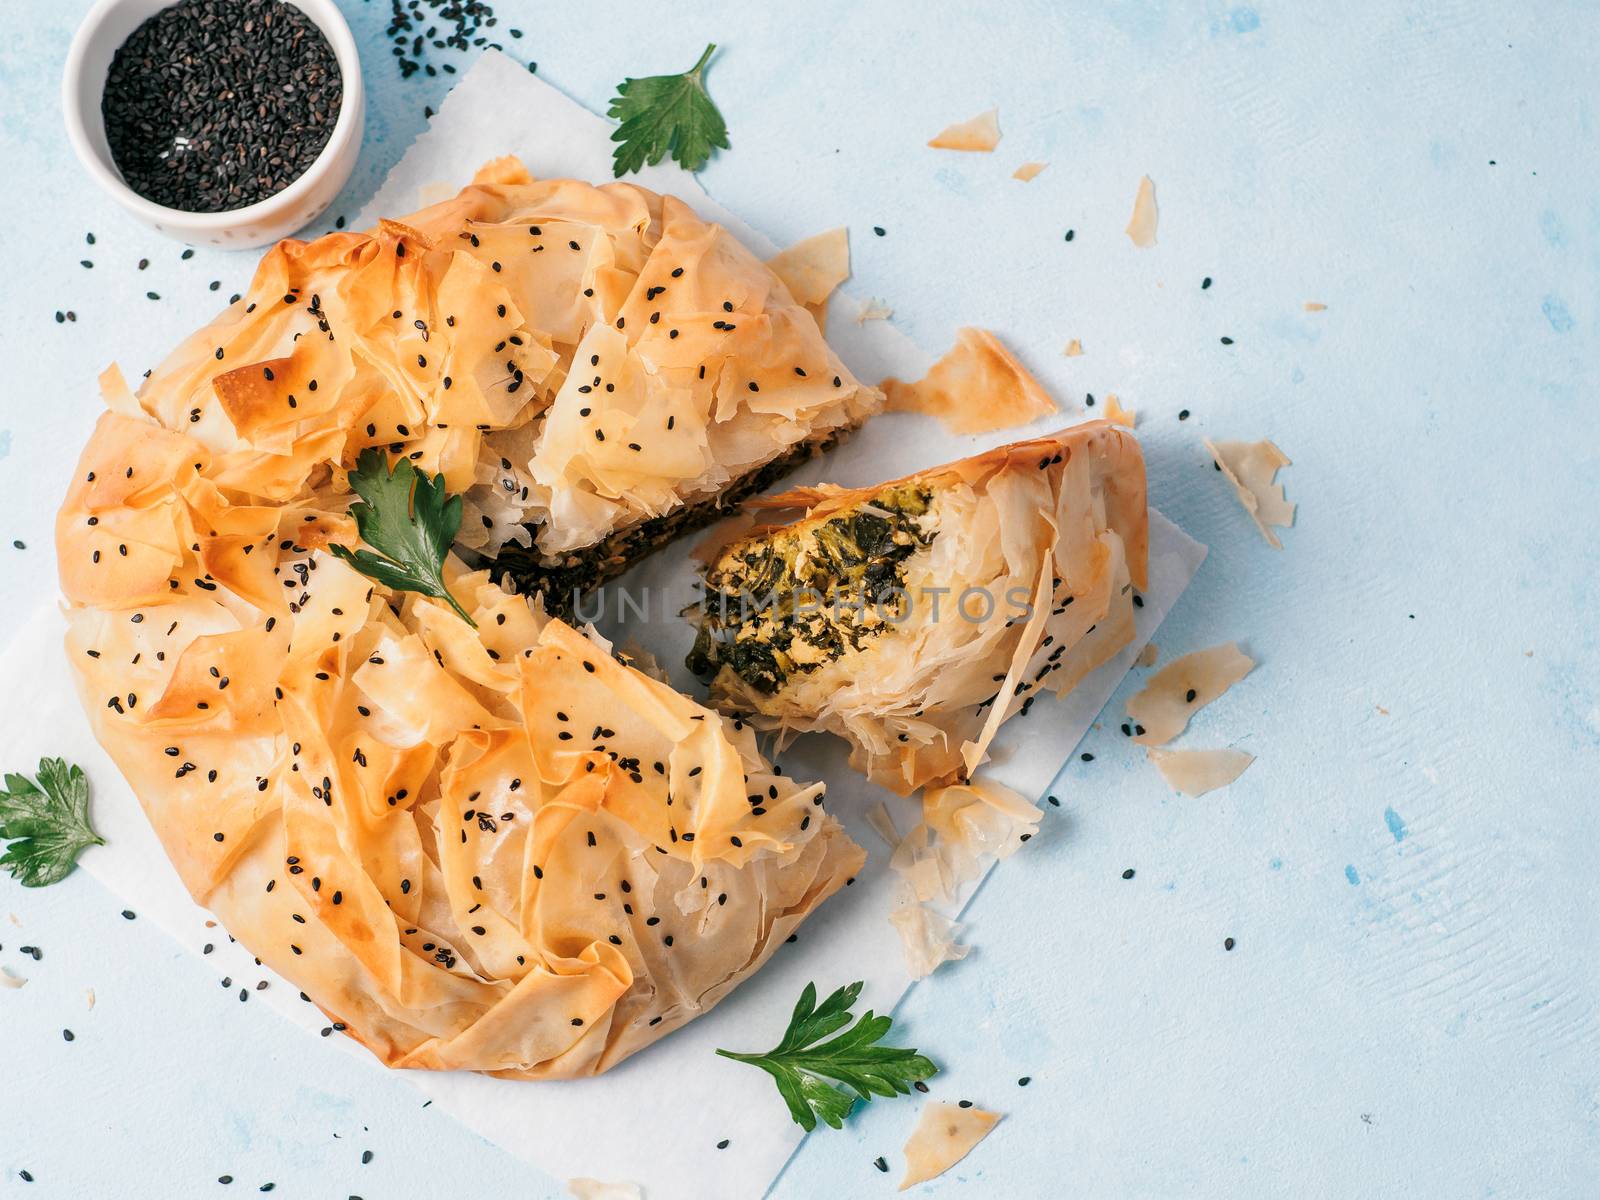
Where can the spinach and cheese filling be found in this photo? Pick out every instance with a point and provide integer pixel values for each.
(806, 597)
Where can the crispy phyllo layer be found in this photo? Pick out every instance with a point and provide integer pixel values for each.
(915, 617)
(576, 360)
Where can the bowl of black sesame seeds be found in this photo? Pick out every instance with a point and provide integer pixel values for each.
(227, 123)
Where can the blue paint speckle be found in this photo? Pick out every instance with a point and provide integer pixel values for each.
(1395, 824)
(1244, 20)
(1555, 311)
(1276, 864)
(1350, 874)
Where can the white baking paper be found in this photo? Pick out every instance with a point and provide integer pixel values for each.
(658, 1117)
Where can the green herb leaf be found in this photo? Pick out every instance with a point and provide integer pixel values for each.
(406, 517)
(802, 1068)
(47, 823)
(662, 113)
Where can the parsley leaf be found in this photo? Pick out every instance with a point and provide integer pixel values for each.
(406, 517)
(662, 113)
(47, 823)
(802, 1068)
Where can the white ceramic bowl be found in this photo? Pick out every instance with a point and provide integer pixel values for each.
(89, 62)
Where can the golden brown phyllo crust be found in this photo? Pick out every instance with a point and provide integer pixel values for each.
(501, 849)
(914, 617)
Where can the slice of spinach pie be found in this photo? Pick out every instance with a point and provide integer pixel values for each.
(913, 618)
(671, 374)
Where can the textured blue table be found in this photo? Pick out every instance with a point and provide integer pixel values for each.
(1411, 1006)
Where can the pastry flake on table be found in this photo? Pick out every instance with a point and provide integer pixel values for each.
(1196, 772)
(1251, 467)
(1141, 228)
(980, 133)
(1184, 686)
(945, 1134)
(977, 387)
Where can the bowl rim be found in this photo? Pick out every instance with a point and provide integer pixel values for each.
(328, 19)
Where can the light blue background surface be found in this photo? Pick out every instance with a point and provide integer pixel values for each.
(1409, 867)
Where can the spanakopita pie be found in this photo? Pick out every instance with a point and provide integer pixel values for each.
(472, 835)
(913, 618)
